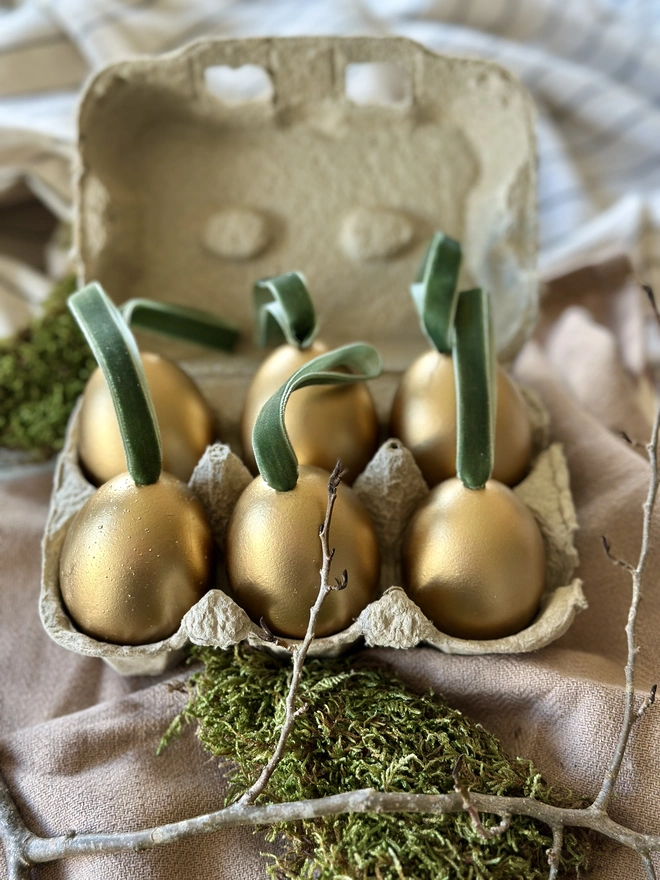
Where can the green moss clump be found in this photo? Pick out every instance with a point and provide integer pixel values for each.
(43, 369)
(365, 728)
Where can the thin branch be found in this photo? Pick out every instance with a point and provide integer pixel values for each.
(647, 702)
(299, 652)
(630, 716)
(620, 562)
(648, 866)
(470, 809)
(39, 850)
(14, 834)
(636, 444)
(269, 636)
(554, 854)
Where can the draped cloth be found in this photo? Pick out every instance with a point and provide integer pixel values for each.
(78, 742)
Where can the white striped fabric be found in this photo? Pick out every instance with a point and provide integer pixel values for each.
(35, 54)
(593, 67)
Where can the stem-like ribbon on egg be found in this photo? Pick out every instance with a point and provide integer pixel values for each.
(434, 291)
(138, 554)
(284, 311)
(473, 557)
(276, 459)
(187, 423)
(272, 537)
(116, 352)
(476, 404)
(323, 424)
(180, 322)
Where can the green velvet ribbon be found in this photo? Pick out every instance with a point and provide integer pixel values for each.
(273, 451)
(434, 291)
(117, 355)
(180, 322)
(283, 310)
(475, 373)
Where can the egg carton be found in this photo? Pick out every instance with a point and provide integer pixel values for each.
(183, 196)
(391, 487)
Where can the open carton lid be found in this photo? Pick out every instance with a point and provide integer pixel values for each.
(183, 197)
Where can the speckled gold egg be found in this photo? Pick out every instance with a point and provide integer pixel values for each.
(324, 422)
(474, 561)
(424, 419)
(274, 557)
(185, 420)
(135, 559)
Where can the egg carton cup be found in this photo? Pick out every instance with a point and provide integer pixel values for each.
(71, 489)
(391, 488)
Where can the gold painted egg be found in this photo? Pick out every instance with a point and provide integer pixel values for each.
(135, 559)
(424, 419)
(274, 557)
(324, 422)
(474, 561)
(185, 420)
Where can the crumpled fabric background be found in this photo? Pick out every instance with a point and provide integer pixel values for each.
(77, 742)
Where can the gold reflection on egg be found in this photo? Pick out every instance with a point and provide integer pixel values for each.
(135, 559)
(474, 561)
(274, 555)
(424, 419)
(185, 420)
(324, 422)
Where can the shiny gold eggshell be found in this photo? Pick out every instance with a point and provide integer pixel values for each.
(135, 559)
(424, 419)
(324, 422)
(185, 420)
(474, 561)
(274, 555)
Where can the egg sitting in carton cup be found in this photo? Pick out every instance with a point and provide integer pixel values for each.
(135, 581)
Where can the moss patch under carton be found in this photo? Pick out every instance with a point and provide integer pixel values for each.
(43, 370)
(365, 728)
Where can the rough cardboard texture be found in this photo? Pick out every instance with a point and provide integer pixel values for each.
(218, 481)
(182, 197)
(391, 487)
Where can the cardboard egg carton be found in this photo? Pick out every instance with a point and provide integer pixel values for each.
(184, 197)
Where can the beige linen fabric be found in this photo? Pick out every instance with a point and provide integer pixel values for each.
(77, 741)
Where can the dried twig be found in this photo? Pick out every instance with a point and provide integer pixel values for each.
(630, 715)
(14, 834)
(554, 854)
(636, 444)
(35, 850)
(648, 866)
(300, 651)
(615, 559)
(471, 810)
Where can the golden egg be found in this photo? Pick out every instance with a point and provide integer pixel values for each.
(474, 561)
(424, 419)
(324, 422)
(185, 420)
(135, 559)
(274, 555)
